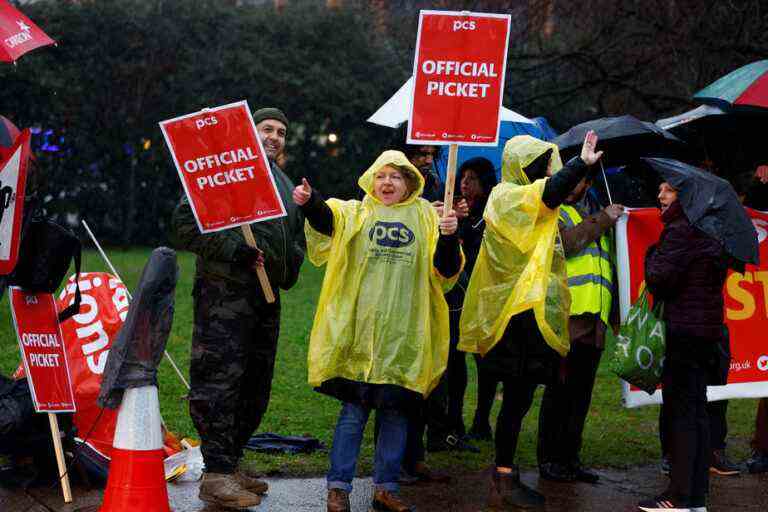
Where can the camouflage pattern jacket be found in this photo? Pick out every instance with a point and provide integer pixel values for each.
(282, 241)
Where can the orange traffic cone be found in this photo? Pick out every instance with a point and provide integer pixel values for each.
(136, 475)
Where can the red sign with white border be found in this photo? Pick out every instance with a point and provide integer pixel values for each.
(42, 350)
(223, 168)
(458, 73)
(13, 179)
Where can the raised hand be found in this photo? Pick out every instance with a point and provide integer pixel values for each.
(449, 223)
(302, 193)
(588, 153)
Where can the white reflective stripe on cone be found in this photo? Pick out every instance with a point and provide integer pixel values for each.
(138, 422)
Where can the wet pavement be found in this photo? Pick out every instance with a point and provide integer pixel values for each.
(618, 491)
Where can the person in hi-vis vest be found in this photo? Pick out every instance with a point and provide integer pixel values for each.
(585, 230)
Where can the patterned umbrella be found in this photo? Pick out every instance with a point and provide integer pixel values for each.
(745, 88)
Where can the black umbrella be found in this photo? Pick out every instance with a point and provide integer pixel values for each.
(732, 140)
(623, 139)
(711, 204)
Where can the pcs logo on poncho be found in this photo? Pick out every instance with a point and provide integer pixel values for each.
(391, 234)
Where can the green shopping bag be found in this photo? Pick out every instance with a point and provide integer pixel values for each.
(638, 349)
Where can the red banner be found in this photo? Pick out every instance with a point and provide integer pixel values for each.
(223, 167)
(18, 34)
(746, 304)
(13, 179)
(458, 73)
(42, 350)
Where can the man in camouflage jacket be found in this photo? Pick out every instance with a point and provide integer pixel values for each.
(235, 330)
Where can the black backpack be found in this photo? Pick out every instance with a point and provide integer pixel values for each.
(46, 250)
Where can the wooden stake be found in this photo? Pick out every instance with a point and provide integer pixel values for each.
(263, 278)
(450, 177)
(60, 457)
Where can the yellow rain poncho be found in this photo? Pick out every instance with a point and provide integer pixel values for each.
(521, 264)
(381, 317)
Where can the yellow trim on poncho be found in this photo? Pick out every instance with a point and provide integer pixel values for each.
(381, 317)
(521, 264)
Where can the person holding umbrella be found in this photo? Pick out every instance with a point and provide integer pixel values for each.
(517, 303)
(705, 231)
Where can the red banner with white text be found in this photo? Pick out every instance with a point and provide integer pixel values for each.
(223, 168)
(746, 305)
(458, 78)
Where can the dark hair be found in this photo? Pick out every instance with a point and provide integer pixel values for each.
(485, 171)
(538, 168)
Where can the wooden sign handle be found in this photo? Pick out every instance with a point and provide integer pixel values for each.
(60, 457)
(260, 272)
(450, 177)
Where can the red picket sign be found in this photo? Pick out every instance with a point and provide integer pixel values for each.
(458, 74)
(42, 350)
(223, 167)
(13, 179)
(18, 34)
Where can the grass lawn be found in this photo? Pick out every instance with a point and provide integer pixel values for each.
(614, 436)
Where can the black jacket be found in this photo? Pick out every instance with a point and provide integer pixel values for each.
(687, 270)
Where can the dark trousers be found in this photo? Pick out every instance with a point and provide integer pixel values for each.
(233, 357)
(565, 406)
(687, 427)
(717, 412)
(760, 441)
(518, 397)
(486, 394)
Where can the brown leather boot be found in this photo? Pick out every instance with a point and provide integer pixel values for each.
(385, 501)
(509, 493)
(250, 482)
(225, 491)
(338, 501)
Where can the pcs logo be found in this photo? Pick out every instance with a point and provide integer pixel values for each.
(391, 234)
(206, 121)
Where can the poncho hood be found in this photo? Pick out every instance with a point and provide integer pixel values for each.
(519, 152)
(398, 160)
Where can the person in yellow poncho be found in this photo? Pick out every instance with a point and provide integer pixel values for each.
(517, 303)
(380, 335)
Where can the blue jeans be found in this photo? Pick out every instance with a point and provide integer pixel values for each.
(390, 447)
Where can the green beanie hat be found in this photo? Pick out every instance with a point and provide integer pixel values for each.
(269, 113)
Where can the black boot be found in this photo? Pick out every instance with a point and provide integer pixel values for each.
(509, 493)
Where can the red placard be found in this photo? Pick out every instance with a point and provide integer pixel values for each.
(18, 34)
(42, 350)
(223, 167)
(745, 299)
(13, 179)
(458, 74)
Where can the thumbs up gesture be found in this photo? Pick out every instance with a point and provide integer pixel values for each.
(302, 193)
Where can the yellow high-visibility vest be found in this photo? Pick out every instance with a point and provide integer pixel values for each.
(590, 272)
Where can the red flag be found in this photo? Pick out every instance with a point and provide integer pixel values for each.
(18, 35)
